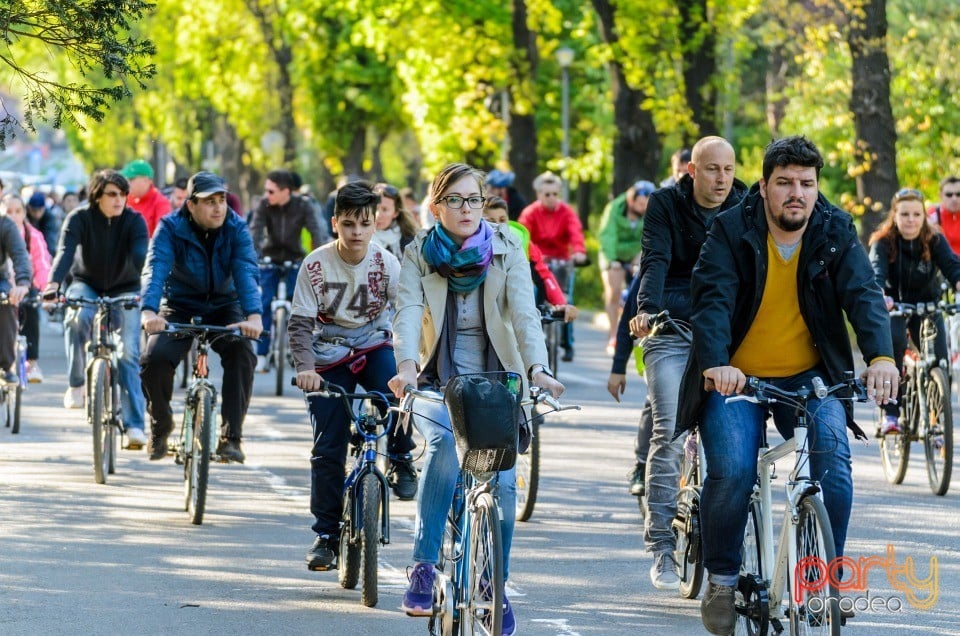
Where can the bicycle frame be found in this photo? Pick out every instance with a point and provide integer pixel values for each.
(365, 463)
(200, 380)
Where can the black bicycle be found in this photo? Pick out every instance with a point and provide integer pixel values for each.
(365, 522)
(280, 307)
(11, 395)
(551, 321)
(103, 379)
(926, 414)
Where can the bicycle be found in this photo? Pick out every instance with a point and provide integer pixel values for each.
(196, 444)
(766, 593)
(551, 321)
(103, 379)
(528, 458)
(927, 412)
(280, 309)
(468, 587)
(11, 395)
(365, 521)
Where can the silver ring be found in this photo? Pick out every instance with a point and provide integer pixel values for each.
(886, 381)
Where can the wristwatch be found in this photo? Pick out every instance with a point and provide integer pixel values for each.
(539, 368)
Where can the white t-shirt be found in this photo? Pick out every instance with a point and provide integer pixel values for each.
(331, 290)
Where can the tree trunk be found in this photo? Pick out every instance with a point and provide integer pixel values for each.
(776, 83)
(699, 64)
(353, 161)
(636, 144)
(522, 129)
(875, 150)
(282, 54)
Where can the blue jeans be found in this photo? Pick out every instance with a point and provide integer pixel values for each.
(78, 322)
(438, 481)
(731, 436)
(269, 282)
(664, 357)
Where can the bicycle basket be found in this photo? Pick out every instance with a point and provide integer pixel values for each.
(484, 414)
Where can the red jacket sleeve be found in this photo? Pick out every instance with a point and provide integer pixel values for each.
(550, 285)
(575, 232)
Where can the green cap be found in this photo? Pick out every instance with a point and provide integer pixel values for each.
(137, 168)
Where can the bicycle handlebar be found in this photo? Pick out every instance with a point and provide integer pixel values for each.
(128, 301)
(331, 390)
(924, 309)
(663, 320)
(758, 391)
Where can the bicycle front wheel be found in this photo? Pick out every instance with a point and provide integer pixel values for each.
(815, 604)
(197, 463)
(895, 448)
(750, 598)
(98, 413)
(938, 437)
(483, 589)
(17, 398)
(279, 345)
(528, 473)
(370, 538)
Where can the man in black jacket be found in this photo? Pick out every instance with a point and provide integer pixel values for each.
(774, 279)
(103, 245)
(675, 226)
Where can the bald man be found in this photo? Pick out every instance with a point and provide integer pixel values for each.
(675, 226)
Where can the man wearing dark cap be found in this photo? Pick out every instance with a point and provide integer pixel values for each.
(201, 263)
(144, 196)
(44, 219)
(500, 183)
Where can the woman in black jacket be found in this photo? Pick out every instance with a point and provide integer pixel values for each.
(908, 256)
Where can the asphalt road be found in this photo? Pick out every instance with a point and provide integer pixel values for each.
(81, 558)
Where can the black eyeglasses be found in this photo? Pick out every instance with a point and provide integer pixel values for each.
(907, 193)
(950, 195)
(455, 202)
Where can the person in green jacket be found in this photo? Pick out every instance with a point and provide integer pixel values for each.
(621, 228)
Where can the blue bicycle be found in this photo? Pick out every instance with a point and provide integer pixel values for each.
(365, 521)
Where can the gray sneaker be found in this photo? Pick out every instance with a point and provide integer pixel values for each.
(717, 611)
(664, 573)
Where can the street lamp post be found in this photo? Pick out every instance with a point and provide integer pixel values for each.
(565, 59)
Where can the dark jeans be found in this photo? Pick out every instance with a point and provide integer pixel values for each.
(8, 336)
(163, 353)
(332, 430)
(30, 325)
(731, 435)
(898, 329)
(563, 271)
(269, 281)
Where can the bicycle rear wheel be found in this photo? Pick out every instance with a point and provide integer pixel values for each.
(818, 611)
(279, 346)
(750, 597)
(98, 413)
(895, 448)
(196, 467)
(528, 473)
(17, 398)
(370, 537)
(483, 589)
(938, 437)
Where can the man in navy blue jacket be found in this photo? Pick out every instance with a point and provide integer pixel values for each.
(201, 264)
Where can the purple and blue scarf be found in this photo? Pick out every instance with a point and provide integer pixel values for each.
(464, 266)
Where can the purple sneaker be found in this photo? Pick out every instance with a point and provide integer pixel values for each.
(509, 625)
(418, 599)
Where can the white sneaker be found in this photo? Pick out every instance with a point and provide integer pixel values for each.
(136, 438)
(73, 398)
(34, 374)
(263, 365)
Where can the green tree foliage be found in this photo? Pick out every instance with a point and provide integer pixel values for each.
(88, 40)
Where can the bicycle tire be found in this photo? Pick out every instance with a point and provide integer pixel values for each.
(938, 437)
(528, 473)
(198, 461)
(98, 415)
(5, 406)
(895, 448)
(17, 401)
(553, 345)
(348, 570)
(370, 538)
(688, 553)
(750, 598)
(483, 587)
(278, 345)
(814, 541)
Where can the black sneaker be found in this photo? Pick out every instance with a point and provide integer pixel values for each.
(157, 448)
(567, 354)
(322, 555)
(402, 478)
(638, 486)
(230, 450)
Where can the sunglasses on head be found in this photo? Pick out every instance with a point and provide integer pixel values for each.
(907, 193)
(388, 190)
